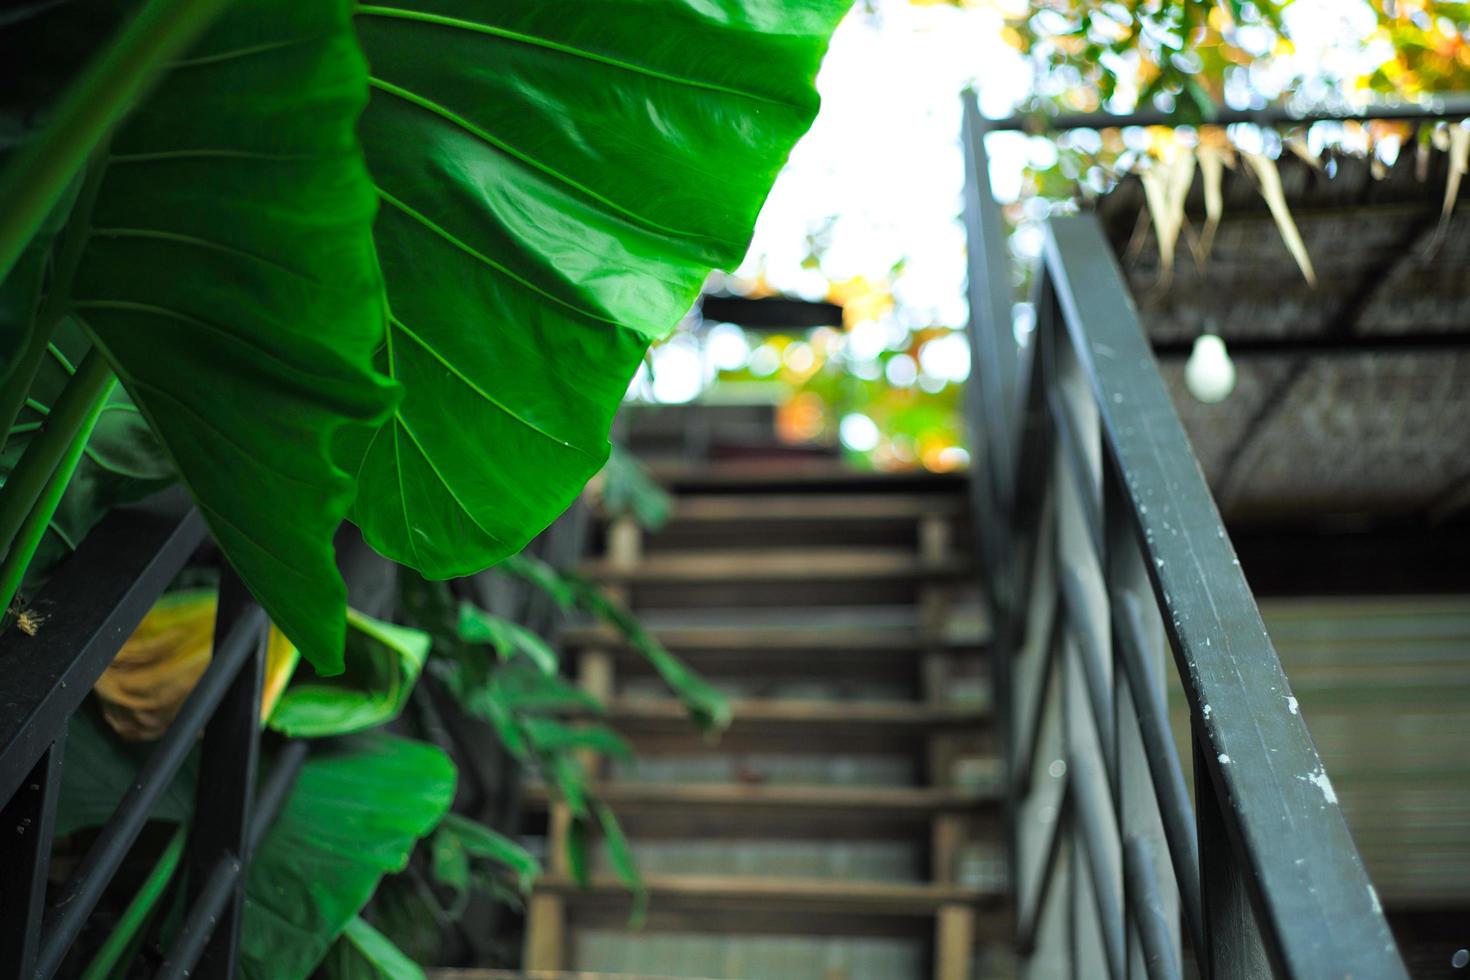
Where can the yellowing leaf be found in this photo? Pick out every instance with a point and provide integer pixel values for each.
(156, 669)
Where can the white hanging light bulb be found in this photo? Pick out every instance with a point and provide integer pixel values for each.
(1209, 374)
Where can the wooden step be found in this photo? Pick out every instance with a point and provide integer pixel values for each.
(802, 476)
(793, 717)
(778, 565)
(686, 640)
(726, 508)
(816, 803)
(791, 896)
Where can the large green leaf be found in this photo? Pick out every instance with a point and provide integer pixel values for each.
(383, 662)
(556, 179)
(356, 811)
(228, 274)
(100, 767)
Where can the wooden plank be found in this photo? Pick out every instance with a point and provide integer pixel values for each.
(771, 475)
(918, 803)
(545, 934)
(954, 942)
(794, 715)
(826, 564)
(797, 896)
(697, 639)
(716, 508)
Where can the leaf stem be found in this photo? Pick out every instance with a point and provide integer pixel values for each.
(34, 489)
(135, 917)
(105, 90)
(15, 392)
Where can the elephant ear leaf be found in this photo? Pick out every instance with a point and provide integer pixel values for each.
(556, 182)
(227, 272)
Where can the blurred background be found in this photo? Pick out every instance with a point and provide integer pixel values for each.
(863, 229)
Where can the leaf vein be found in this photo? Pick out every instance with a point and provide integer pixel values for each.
(443, 112)
(468, 383)
(486, 260)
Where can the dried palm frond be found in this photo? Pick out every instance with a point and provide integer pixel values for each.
(1270, 180)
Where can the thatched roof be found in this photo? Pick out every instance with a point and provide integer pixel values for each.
(1353, 397)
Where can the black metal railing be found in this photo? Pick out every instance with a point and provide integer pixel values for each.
(1104, 549)
(92, 605)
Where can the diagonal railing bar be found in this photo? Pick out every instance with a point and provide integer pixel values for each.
(1147, 914)
(1112, 530)
(101, 594)
(1165, 770)
(1028, 917)
(1311, 895)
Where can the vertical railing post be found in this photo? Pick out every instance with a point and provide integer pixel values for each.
(991, 334)
(227, 768)
(26, 826)
(1234, 947)
(1139, 818)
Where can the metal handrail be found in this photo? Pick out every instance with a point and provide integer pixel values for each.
(1115, 552)
(99, 597)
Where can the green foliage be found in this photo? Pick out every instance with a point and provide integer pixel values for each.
(1430, 41)
(363, 953)
(628, 489)
(222, 253)
(508, 638)
(708, 708)
(382, 663)
(1175, 54)
(522, 201)
(359, 806)
(465, 852)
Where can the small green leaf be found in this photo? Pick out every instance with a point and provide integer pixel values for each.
(565, 773)
(577, 850)
(508, 638)
(548, 735)
(364, 953)
(620, 853)
(479, 841)
(382, 662)
(527, 692)
(628, 489)
(450, 862)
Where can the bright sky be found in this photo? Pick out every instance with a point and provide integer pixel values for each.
(883, 156)
(880, 175)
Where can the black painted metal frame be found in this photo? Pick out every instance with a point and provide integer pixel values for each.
(1105, 550)
(94, 603)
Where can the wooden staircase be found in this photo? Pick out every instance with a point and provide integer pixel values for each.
(846, 825)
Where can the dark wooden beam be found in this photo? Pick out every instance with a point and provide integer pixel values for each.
(770, 312)
(1326, 345)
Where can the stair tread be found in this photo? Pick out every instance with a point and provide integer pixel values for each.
(751, 475)
(712, 508)
(742, 638)
(805, 711)
(830, 564)
(788, 894)
(921, 801)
